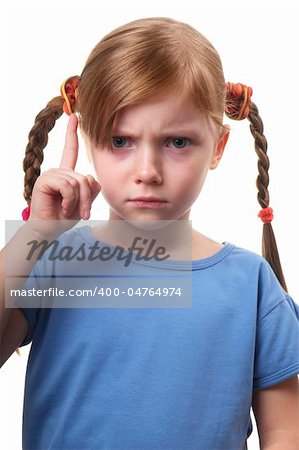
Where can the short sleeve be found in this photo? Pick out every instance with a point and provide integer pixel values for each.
(28, 306)
(40, 278)
(31, 315)
(277, 333)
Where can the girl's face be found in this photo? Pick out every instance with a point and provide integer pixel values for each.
(163, 149)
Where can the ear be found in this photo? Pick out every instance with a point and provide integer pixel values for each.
(219, 147)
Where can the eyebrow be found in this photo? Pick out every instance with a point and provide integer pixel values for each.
(182, 129)
(173, 131)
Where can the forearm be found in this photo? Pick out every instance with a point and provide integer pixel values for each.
(287, 443)
(281, 447)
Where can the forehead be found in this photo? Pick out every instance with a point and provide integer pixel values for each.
(174, 109)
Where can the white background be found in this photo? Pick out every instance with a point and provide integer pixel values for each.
(46, 42)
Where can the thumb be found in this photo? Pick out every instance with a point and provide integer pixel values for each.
(95, 187)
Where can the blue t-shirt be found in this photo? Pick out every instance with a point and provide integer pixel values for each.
(160, 378)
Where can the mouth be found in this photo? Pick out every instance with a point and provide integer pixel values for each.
(148, 202)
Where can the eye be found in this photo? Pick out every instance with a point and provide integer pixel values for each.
(119, 141)
(179, 142)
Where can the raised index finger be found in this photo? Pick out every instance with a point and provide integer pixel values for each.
(70, 151)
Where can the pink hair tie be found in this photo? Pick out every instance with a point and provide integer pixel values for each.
(266, 214)
(26, 213)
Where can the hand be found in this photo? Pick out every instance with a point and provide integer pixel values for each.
(62, 193)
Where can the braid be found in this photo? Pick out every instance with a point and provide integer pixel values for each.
(238, 107)
(38, 139)
(269, 246)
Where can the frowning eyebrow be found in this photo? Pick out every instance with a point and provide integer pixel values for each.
(173, 131)
(180, 130)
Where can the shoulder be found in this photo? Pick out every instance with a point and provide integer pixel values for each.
(249, 262)
(49, 252)
(257, 273)
(269, 292)
(254, 263)
(247, 255)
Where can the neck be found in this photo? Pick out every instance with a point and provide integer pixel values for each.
(174, 236)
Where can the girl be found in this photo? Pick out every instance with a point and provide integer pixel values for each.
(150, 101)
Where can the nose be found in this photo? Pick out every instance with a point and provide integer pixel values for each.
(148, 165)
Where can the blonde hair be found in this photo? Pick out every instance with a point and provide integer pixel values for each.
(142, 60)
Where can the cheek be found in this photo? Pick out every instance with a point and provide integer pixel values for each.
(109, 178)
(102, 167)
(191, 177)
(189, 183)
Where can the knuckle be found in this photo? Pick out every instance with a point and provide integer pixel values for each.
(74, 183)
(65, 183)
(80, 177)
(48, 172)
(83, 182)
(86, 184)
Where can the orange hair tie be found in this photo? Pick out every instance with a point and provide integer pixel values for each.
(69, 91)
(238, 101)
(266, 214)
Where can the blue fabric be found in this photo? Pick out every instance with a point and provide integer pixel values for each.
(160, 379)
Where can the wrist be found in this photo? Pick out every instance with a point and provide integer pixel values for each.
(48, 230)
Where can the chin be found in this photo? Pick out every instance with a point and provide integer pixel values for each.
(145, 224)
